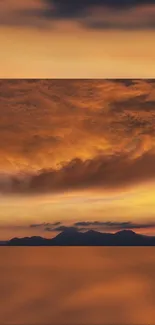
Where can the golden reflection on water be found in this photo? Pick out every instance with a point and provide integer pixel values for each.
(77, 285)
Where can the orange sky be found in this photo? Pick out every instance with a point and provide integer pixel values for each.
(101, 42)
(76, 150)
(86, 54)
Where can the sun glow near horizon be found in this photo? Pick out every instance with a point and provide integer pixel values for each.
(18, 213)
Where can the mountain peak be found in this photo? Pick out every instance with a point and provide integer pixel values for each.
(126, 232)
(92, 232)
(72, 237)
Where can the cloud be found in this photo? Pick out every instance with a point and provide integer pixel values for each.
(96, 14)
(101, 226)
(23, 14)
(64, 135)
(106, 172)
(68, 8)
(45, 225)
(55, 227)
(46, 122)
(128, 17)
(110, 225)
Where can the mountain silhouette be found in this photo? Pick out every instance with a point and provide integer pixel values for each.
(73, 237)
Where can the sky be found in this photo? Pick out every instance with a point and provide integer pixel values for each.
(76, 153)
(77, 39)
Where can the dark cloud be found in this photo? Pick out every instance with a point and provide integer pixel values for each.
(127, 82)
(107, 172)
(113, 225)
(95, 14)
(69, 8)
(100, 226)
(104, 14)
(56, 223)
(120, 25)
(115, 171)
(45, 225)
(88, 223)
(138, 103)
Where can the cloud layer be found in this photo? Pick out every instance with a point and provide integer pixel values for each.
(101, 226)
(64, 135)
(105, 14)
(102, 14)
(103, 173)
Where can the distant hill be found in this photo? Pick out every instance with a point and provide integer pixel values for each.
(72, 237)
(2, 243)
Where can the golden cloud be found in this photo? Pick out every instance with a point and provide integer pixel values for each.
(74, 134)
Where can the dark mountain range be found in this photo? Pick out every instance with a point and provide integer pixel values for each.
(73, 237)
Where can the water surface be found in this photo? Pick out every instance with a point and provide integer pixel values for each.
(77, 285)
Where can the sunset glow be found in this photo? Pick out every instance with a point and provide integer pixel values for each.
(76, 151)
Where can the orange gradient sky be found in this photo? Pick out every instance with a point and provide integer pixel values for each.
(40, 40)
(76, 151)
(86, 54)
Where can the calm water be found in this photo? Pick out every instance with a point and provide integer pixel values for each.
(77, 285)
